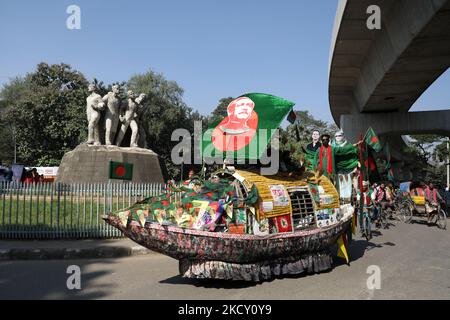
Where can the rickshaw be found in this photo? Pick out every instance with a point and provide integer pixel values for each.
(411, 204)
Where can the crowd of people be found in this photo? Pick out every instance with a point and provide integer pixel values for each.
(382, 196)
(28, 176)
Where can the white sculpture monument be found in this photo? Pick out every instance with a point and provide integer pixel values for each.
(89, 162)
(129, 119)
(112, 101)
(94, 105)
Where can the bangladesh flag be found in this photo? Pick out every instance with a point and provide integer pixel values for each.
(372, 140)
(120, 170)
(292, 116)
(252, 119)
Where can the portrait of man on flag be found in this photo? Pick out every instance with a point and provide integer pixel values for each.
(237, 129)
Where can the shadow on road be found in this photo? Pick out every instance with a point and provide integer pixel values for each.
(211, 283)
(47, 280)
(358, 247)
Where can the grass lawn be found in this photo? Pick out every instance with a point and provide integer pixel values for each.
(39, 213)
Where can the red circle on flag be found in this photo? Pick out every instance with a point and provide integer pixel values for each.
(120, 171)
(374, 139)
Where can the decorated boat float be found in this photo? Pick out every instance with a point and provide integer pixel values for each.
(240, 225)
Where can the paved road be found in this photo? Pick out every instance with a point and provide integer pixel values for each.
(414, 261)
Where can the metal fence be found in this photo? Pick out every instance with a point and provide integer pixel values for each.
(58, 211)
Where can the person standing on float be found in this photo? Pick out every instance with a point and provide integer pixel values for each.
(324, 158)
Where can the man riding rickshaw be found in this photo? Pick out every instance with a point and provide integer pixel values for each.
(422, 201)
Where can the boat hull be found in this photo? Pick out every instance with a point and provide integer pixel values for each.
(195, 245)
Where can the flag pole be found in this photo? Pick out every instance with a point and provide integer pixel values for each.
(297, 130)
(365, 135)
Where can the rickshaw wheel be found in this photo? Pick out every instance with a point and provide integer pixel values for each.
(441, 220)
(383, 218)
(367, 228)
(406, 214)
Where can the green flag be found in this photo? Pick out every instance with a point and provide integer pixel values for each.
(120, 170)
(388, 155)
(346, 157)
(245, 132)
(372, 140)
(390, 172)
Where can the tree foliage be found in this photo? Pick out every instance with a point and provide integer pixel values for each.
(427, 155)
(46, 109)
(220, 111)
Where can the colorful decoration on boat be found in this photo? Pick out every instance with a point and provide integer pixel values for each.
(280, 195)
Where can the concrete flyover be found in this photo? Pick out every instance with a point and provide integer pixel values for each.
(375, 76)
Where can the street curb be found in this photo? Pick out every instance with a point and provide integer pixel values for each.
(72, 253)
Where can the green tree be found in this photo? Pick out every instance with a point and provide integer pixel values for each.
(441, 152)
(426, 156)
(6, 137)
(47, 110)
(220, 111)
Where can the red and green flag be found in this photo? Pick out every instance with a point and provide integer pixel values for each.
(120, 170)
(292, 116)
(252, 119)
(364, 160)
(372, 140)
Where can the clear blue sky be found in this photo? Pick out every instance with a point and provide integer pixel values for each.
(212, 48)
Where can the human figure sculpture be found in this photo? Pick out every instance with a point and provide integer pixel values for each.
(310, 152)
(94, 105)
(129, 119)
(112, 101)
(315, 144)
(137, 129)
(324, 159)
(339, 139)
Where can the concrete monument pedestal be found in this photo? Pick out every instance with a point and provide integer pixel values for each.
(90, 164)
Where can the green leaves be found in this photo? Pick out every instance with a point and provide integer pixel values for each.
(47, 110)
